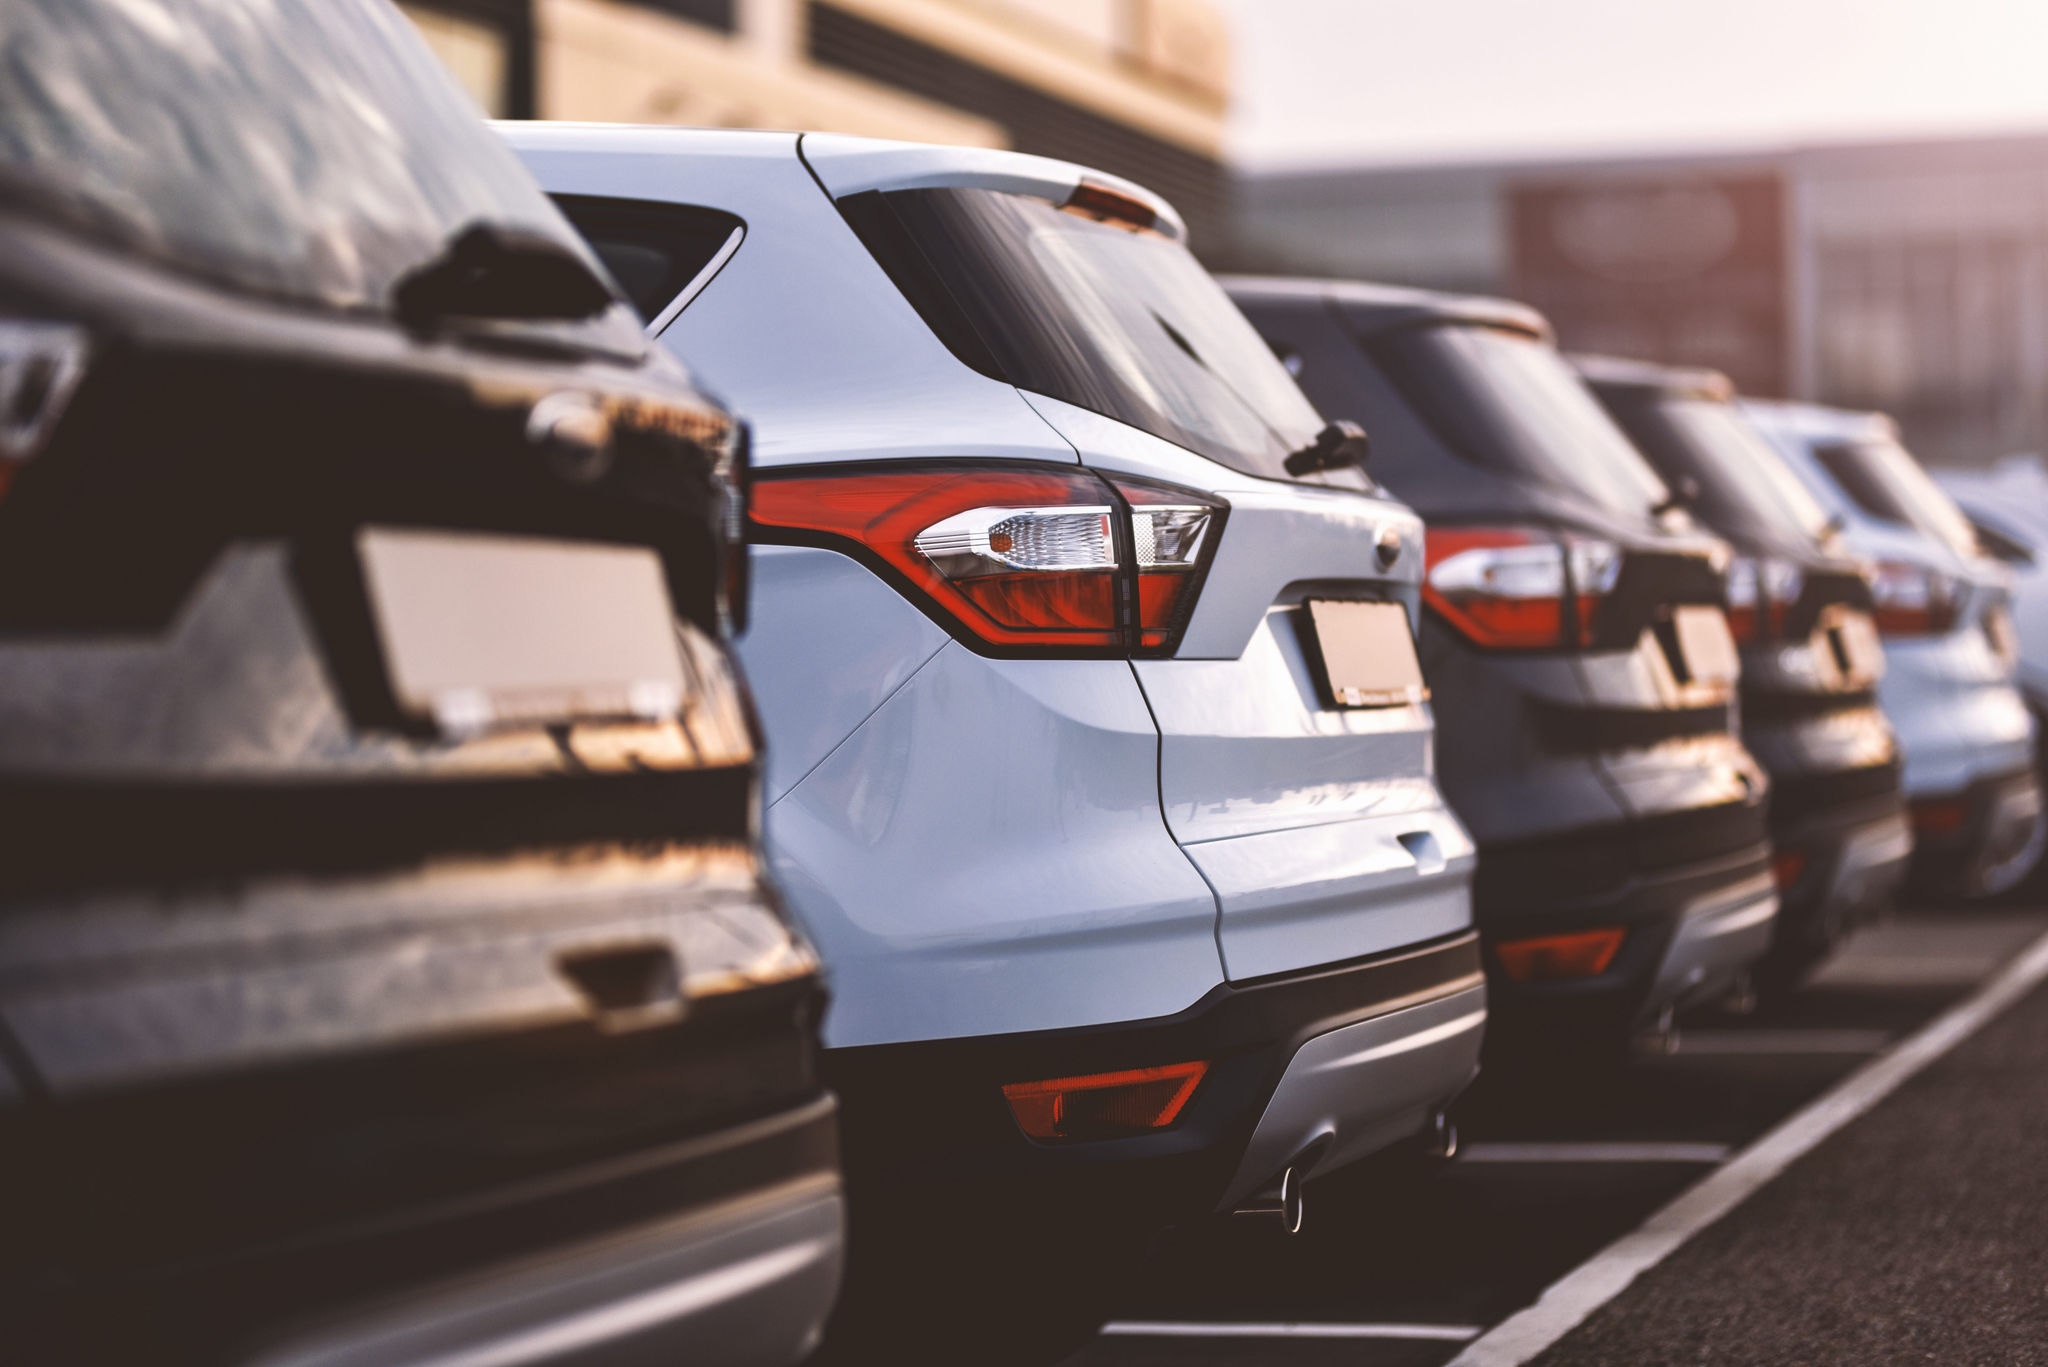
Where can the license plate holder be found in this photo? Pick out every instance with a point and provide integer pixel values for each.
(1367, 653)
(479, 631)
(1706, 645)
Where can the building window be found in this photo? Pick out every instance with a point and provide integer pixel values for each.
(716, 14)
(487, 45)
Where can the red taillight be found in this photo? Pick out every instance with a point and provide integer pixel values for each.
(1020, 556)
(1940, 817)
(1507, 588)
(1911, 600)
(1786, 866)
(1104, 1105)
(1578, 954)
(1760, 595)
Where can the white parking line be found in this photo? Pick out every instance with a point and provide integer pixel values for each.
(1577, 1294)
(1592, 1153)
(1749, 1043)
(1200, 1329)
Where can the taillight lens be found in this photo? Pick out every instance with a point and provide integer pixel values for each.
(1171, 533)
(1547, 958)
(1507, 588)
(41, 364)
(1911, 600)
(1104, 1105)
(732, 469)
(1760, 595)
(1021, 557)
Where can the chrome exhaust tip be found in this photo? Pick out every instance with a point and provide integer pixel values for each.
(1282, 1202)
(1440, 1140)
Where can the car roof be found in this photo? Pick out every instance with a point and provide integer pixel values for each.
(1818, 423)
(1382, 308)
(847, 165)
(1680, 382)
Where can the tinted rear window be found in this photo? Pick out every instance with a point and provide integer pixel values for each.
(312, 150)
(1744, 485)
(1508, 400)
(652, 250)
(1883, 479)
(1115, 319)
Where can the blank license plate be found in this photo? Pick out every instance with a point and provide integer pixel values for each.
(481, 631)
(1709, 648)
(1368, 653)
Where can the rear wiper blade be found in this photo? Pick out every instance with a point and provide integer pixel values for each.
(1339, 446)
(492, 270)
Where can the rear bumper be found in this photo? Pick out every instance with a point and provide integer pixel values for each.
(1851, 860)
(1690, 928)
(931, 1142)
(1980, 841)
(746, 1282)
(722, 1249)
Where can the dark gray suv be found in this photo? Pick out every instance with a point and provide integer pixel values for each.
(1577, 652)
(385, 971)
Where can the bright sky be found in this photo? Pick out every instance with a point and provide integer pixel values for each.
(1408, 80)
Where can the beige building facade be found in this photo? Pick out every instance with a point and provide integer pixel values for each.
(1135, 87)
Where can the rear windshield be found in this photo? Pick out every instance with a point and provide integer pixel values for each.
(1107, 317)
(1744, 485)
(315, 151)
(1883, 479)
(1508, 400)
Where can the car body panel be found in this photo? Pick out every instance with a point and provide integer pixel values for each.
(919, 855)
(835, 607)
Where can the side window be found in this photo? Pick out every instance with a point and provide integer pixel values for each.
(655, 251)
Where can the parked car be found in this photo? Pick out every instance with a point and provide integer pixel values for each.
(1800, 608)
(385, 973)
(2008, 509)
(1099, 767)
(1944, 610)
(1577, 653)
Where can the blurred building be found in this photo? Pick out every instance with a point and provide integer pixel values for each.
(1136, 87)
(1909, 277)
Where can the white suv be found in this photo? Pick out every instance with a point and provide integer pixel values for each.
(1944, 608)
(1100, 766)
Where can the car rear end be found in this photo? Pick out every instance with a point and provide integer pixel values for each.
(1944, 611)
(386, 975)
(1100, 762)
(1801, 611)
(1576, 648)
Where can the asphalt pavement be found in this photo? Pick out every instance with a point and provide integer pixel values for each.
(1917, 1233)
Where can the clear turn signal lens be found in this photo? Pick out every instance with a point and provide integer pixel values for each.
(1172, 531)
(41, 364)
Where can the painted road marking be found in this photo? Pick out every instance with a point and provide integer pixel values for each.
(1592, 1153)
(1198, 1329)
(1748, 1043)
(1570, 1299)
